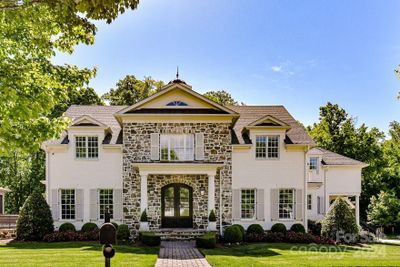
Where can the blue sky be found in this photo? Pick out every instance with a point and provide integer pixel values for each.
(300, 54)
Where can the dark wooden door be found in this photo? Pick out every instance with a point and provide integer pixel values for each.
(177, 206)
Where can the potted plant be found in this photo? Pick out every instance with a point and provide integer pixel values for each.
(144, 224)
(212, 221)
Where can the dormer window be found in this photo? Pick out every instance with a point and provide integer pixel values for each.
(177, 104)
(86, 147)
(267, 147)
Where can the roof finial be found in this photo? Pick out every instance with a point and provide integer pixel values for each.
(177, 72)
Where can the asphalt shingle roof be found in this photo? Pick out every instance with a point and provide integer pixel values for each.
(248, 114)
(332, 158)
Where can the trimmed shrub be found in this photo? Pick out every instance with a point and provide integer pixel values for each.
(233, 234)
(67, 227)
(255, 229)
(278, 228)
(298, 228)
(115, 225)
(72, 236)
(293, 237)
(340, 223)
(143, 217)
(314, 227)
(34, 220)
(89, 227)
(150, 239)
(241, 229)
(208, 240)
(212, 217)
(123, 232)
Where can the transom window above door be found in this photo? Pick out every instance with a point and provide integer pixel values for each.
(177, 147)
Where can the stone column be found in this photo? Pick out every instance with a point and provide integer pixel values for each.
(211, 193)
(358, 210)
(143, 192)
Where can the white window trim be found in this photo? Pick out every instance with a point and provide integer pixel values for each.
(294, 204)
(255, 205)
(60, 205)
(309, 164)
(311, 204)
(169, 147)
(266, 147)
(98, 201)
(87, 148)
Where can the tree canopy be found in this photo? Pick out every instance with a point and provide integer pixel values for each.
(337, 132)
(31, 85)
(130, 90)
(221, 97)
(384, 209)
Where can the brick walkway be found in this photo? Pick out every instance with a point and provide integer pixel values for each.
(180, 254)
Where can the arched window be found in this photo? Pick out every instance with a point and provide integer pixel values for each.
(177, 103)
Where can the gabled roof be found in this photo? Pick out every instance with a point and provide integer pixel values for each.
(176, 86)
(250, 114)
(270, 121)
(103, 115)
(334, 159)
(87, 120)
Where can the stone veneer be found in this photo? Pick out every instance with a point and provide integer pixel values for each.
(200, 202)
(136, 148)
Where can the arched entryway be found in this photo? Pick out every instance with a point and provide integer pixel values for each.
(177, 206)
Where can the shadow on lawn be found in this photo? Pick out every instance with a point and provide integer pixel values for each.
(87, 246)
(272, 249)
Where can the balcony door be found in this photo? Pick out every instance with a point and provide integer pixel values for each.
(177, 206)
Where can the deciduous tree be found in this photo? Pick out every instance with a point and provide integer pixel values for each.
(384, 209)
(221, 97)
(31, 85)
(129, 90)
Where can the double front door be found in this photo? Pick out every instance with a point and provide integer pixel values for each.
(177, 206)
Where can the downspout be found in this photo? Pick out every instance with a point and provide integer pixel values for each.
(220, 202)
(47, 176)
(305, 190)
(325, 200)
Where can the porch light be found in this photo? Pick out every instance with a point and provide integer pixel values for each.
(202, 190)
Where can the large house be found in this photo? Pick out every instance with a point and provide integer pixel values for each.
(179, 155)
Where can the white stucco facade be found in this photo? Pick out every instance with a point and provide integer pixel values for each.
(267, 180)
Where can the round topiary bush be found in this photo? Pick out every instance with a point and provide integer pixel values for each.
(233, 234)
(66, 227)
(298, 228)
(89, 227)
(255, 229)
(34, 220)
(241, 229)
(278, 228)
(123, 232)
(115, 225)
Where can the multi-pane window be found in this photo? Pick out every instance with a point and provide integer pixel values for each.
(67, 204)
(313, 165)
(248, 203)
(267, 147)
(309, 202)
(106, 201)
(286, 204)
(177, 147)
(86, 147)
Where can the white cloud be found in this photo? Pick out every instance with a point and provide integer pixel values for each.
(276, 68)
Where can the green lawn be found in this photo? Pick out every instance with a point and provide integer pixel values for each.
(303, 255)
(73, 254)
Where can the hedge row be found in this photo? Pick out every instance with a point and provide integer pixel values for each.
(208, 240)
(150, 238)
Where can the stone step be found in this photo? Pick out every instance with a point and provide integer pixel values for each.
(169, 235)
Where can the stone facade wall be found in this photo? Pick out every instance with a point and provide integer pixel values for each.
(136, 148)
(200, 202)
